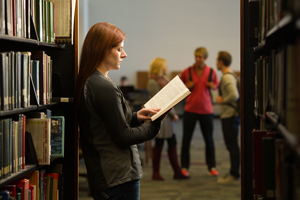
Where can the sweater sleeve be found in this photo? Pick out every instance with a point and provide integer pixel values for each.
(231, 88)
(108, 103)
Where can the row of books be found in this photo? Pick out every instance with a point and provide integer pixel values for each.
(274, 166)
(271, 12)
(21, 71)
(34, 136)
(44, 19)
(276, 86)
(37, 185)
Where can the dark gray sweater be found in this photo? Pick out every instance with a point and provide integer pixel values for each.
(108, 133)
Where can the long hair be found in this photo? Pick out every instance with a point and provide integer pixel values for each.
(157, 66)
(100, 39)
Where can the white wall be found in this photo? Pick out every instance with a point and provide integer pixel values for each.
(171, 29)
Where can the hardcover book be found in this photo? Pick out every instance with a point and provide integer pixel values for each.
(40, 132)
(170, 95)
(57, 136)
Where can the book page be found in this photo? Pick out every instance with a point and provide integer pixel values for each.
(168, 97)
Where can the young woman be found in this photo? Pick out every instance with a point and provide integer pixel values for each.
(109, 131)
(157, 80)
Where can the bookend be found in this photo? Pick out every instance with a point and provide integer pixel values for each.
(33, 33)
(30, 154)
(33, 97)
(56, 85)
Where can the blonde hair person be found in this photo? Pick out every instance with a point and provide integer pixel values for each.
(157, 80)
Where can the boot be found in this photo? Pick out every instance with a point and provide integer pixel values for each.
(172, 153)
(155, 163)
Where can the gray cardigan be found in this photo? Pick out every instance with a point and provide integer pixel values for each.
(230, 94)
(108, 133)
(166, 130)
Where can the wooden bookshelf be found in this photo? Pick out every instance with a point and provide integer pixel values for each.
(65, 62)
(270, 94)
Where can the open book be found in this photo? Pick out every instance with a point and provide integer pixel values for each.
(168, 97)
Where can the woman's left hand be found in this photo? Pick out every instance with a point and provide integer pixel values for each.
(146, 113)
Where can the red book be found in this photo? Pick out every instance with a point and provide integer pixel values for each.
(257, 151)
(32, 188)
(11, 189)
(24, 184)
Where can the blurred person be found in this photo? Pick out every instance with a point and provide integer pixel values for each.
(228, 99)
(199, 79)
(157, 80)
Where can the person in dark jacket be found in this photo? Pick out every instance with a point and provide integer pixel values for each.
(109, 130)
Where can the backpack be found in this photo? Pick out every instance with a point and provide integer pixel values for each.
(209, 79)
(238, 83)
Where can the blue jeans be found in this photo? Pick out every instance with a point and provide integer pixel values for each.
(129, 190)
(206, 125)
(230, 128)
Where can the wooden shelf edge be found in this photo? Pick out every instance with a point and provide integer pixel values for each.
(17, 111)
(15, 176)
(18, 39)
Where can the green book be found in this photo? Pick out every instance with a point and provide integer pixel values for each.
(46, 17)
(51, 22)
(57, 136)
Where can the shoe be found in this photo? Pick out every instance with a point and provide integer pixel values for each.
(228, 179)
(185, 172)
(157, 176)
(213, 172)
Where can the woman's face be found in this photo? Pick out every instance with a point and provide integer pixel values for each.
(114, 57)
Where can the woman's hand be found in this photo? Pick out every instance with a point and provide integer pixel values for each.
(146, 113)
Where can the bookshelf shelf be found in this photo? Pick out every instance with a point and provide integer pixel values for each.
(17, 111)
(15, 176)
(270, 70)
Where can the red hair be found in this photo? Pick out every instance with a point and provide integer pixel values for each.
(101, 38)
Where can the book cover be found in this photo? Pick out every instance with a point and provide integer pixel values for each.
(168, 97)
(32, 189)
(24, 184)
(57, 136)
(11, 189)
(4, 98)
(41, 183)
(8, 17)
(2, 17)
(21, 140)
(269, 173)
(257, 149)
(23, 123)
(13, 81)
(18, 79)
(34, 179)
(40, 130)
(5, 171)
(4, 194)
(54, 190)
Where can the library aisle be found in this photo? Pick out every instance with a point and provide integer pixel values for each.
(200, 186)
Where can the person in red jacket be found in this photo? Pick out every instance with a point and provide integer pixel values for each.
(199, 79)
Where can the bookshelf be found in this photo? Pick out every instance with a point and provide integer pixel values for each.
(65, 62)
(270, 99)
